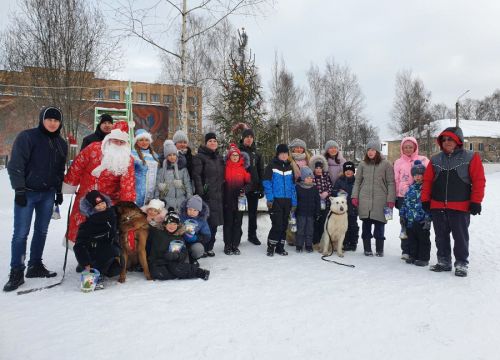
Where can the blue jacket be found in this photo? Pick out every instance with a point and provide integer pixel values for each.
(411, 210)
(279, 181)
(196, 229)
(38, 160)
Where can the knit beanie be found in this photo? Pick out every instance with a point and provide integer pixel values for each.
(348, 165)
(306, 172)
(105, 118)
(169, 148)
(209, 136)
(247, 132)
(330, 144)
(51, 112)
(94, 197)
(142, 134)
(281, 148)
(418, 168)
(297, 143)
(180, 136)
(318, 164)
(373, 145)
(172, 217)
(195, 202)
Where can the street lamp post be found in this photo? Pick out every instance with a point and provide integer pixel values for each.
(456, 108)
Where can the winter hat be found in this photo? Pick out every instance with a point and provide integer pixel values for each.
(105, 118)
(281, 148)
(306, 172)
(318, 164)
(195, 202)
(418, 168)
(94, 197)
(297, 143)
(247, 132)
(172, 217)
(51, 112)
(330, 144)
(373, 145)
(348, 165)
(233, 149)
(209, 136)
(453, 132)
(169, 148)
(180, 136)
(156, 204)
(142, 134)
(119, 132)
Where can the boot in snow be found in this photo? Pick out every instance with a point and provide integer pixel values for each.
(440, 267)
(202, 274)
(39, 271)
(460, 270)
(16, 279)
(367, 245)
(379, 247)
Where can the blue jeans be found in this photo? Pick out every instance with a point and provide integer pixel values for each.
(42, 203)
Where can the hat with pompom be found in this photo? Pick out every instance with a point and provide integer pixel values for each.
(119, 132)
(418, 168)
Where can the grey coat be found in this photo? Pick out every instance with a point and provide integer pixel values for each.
(173, 185)
(374, 187)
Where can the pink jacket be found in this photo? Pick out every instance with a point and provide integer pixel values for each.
(402, 167)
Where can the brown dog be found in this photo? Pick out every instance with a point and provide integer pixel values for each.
(130, 217)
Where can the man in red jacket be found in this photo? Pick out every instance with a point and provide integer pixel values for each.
(453, 189)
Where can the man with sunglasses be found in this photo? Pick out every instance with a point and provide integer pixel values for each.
(453, 189)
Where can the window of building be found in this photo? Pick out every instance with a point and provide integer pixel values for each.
(471, 146)
(491, 147)
(192, 101)
(142, 97)
(168, 99)
(179, 100)
(99, 94)
(155, 98)
(480, 147)
(114, 94)
(192, 115)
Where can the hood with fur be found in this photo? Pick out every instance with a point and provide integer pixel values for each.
(317, 158)
(88, 210)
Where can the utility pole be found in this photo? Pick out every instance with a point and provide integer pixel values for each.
(456, 108)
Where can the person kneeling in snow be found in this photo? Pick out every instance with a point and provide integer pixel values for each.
(97, 241)
(194, 215)
(168, 253)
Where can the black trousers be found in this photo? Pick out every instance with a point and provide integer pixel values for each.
(279, 222)
(419, 242)
(319, 226)
(456, 223)
(352, 233)
(213, 232)
(232, 228)
(252, 202)
(173, 271)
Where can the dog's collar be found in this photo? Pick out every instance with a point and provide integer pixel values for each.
(333, 212)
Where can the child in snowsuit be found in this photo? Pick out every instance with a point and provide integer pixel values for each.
(281, 198)
(155, 212)
(324, 185)
(194, 213)
(344, 185)
(308, 210)
(167, 259)
(97, 241)
(236, 182)
(416, 220)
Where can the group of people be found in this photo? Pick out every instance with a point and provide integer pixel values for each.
(187, 196)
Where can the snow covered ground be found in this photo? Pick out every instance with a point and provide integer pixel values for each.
(255, 307)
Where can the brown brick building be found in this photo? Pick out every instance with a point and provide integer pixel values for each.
(156, 107)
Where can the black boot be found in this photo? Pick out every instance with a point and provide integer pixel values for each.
(254, 240)
(367, 245)
(280, 248)
(16, 279)
(379, 247)
(39, 271)
(271, 246)
(202, 274)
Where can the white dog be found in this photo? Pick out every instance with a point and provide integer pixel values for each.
(335, 227)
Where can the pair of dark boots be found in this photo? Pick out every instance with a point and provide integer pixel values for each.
(278, 248)
(202, 274)
(16, 276)
(379, 247)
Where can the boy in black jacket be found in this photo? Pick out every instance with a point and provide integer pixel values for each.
(96, 242)
(308, 209)
(344, 185)
(167, 259)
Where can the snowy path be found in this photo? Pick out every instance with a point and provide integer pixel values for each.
(255, 307)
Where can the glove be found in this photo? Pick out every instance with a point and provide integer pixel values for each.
(260, 194)
(426, 205)
(20, 197)
(162, 187)
(475, 208)
(323, 195)
(178, 184)
(398, 203)
(59, 199)
(390, 204)
(355, 202)
(426, 225)
(269, 205)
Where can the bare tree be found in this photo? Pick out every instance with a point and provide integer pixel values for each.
(489, 108)
(441, 111)
(148, 25)
(60, 44)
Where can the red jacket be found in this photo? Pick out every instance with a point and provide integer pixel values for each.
(236, 177)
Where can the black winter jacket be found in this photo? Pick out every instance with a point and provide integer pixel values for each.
(256, 168)
(98, 135)
(38, 160)
(308, 201)
(346, 184)
(160, 241)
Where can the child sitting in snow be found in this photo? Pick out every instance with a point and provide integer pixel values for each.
(155, 212)
(167, 259)
(194, 214)
(416, 220)
(96, 242)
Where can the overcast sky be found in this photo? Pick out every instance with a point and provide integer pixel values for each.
(451, 45)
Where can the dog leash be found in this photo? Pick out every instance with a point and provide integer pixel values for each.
(324, 257)
(23, 292)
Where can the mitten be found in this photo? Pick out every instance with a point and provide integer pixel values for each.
(20, 197)
(269, 205)
(59, 199)
(178, 184)
(324, 195)
(475, 208)
(390, 204)
(355, 202)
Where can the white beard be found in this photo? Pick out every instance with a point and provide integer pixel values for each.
(115, 158)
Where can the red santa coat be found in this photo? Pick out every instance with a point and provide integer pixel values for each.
(117, 188)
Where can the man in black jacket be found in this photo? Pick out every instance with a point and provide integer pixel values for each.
(36, 171)
(255, 190)
(104, 128)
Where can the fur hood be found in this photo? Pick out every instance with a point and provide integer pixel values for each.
(317, 158)
(204, 213)
(244, 159)
(88, 210)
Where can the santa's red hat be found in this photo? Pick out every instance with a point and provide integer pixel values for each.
(119, 132)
